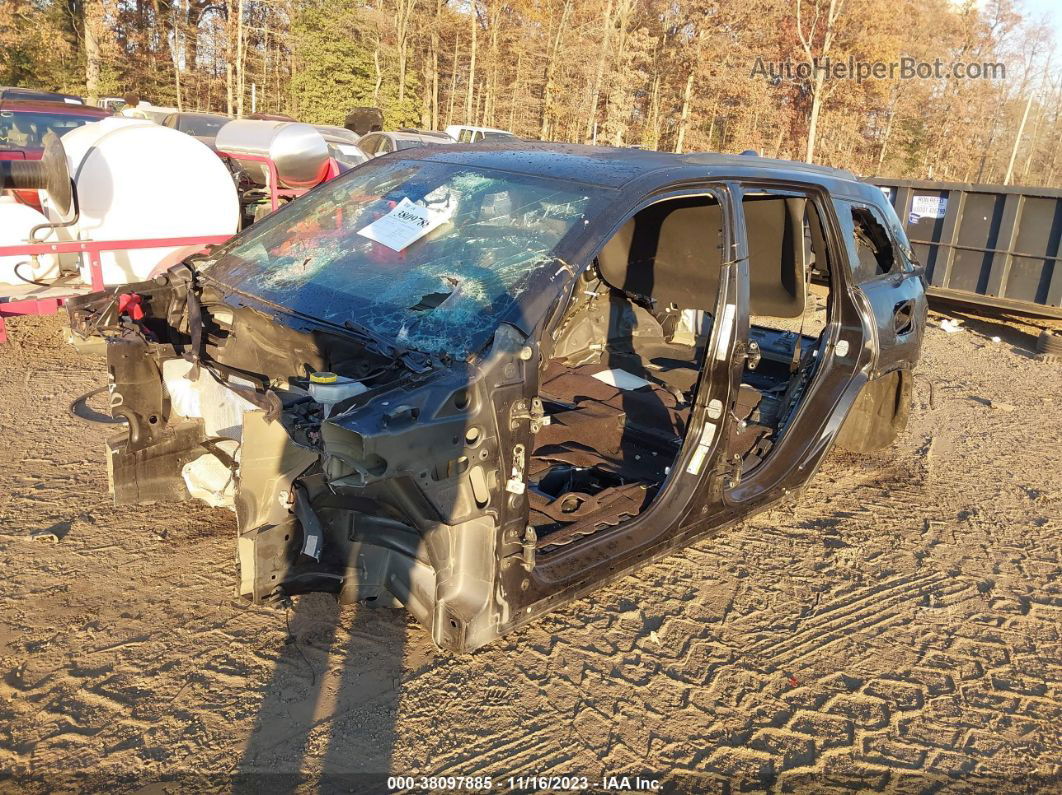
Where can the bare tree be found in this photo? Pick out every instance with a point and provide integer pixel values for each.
(93, 32)
(402, 18)
(602, 58)
(548, 80)
(813, 54)
(469, 94)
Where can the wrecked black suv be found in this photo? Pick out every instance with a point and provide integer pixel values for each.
(477, 383)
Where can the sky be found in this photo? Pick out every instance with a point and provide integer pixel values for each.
(1052, 9)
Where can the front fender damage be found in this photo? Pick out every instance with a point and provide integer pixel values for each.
(395, 496)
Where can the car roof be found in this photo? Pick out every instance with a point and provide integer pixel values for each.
(209, 113)
(269, 117)
(415, 131)
(14, 92)
(412, 136)
(613, 168)
(50, 106)
(340, 134)
(480, 129)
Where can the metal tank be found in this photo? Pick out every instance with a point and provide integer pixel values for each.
(298, 151)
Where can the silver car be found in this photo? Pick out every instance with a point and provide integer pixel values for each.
(380, 143)
(342, 145)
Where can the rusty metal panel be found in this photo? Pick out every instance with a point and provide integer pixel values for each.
(991, 245)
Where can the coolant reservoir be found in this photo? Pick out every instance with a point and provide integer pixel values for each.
(329, 388)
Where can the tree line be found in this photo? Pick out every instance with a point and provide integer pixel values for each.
(674, 75)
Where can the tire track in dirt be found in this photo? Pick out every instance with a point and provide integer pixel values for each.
(897, 626)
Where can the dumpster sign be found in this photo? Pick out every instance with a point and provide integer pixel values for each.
(927, 207)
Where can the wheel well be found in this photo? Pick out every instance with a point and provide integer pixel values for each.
(879, 415)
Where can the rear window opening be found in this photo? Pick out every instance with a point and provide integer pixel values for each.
(876, 255)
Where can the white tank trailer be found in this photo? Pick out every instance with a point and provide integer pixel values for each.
(134, 180)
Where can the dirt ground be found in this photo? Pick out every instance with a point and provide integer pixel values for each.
(897, 627)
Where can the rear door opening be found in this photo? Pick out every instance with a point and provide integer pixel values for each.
(789, 304)
(804, 336)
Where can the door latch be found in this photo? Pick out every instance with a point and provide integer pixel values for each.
(533, 412)
(528, 545)
(733, 478)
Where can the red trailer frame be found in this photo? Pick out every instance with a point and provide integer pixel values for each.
(48, 299)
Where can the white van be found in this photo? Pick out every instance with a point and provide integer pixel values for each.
(466, 134)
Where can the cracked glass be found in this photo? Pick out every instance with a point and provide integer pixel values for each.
(446, 291)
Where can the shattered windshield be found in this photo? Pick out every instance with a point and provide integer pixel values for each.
(429, 255)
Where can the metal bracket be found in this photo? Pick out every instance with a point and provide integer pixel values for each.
(734, 474)
(535, 413)
(529, 542)
(753, 354)
(516, 484)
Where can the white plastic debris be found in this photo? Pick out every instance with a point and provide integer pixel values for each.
(621, 379)
(950, 326)
(220, 408)
(210, 480)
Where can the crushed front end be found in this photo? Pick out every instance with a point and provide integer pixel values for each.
(354, 466)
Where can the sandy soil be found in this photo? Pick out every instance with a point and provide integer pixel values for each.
(897, 627)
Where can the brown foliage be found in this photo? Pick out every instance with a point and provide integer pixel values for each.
(664, 74)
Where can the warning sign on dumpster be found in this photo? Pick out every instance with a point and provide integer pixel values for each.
(928, 207)
(405, 224)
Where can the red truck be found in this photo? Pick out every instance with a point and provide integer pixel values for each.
(23, 123)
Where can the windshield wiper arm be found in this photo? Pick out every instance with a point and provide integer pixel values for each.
(414, 360)
(379, 344)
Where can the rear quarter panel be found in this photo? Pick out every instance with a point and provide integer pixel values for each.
(887, 293)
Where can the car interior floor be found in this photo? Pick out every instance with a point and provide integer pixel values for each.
(618, 389)
(615, 428)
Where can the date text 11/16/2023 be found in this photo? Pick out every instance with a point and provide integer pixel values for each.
(607, 783)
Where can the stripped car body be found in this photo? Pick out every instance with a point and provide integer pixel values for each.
(572, 369)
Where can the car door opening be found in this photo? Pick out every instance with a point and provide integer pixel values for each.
(619, 385)
(789, 310)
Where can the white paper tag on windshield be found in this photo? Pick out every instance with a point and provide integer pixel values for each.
(406, 223)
